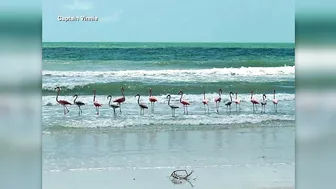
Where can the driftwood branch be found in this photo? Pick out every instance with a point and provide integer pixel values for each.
(178, 176)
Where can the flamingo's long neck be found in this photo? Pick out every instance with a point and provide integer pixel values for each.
(168, 100)
(251, 96)
(231, 97)
(236, 96)
(204, 96)
(220, 94)
(122, 93)
(110, 100)
(139, 99)
(274, 95)
(75, 99)
(181, 97)
(264, 98)
(57, 95)
(150, 92)
(94, 97)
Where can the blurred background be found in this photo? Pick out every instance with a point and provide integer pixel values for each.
(315, 93)
(20, 98)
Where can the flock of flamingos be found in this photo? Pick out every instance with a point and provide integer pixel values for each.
(153, 99)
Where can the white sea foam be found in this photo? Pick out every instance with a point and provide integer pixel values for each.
(253, 74)
(243, 71)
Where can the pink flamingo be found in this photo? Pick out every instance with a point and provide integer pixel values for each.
(62, 102)
(141, 105)
(121, 99)
(184, 102)
(275, 102)
(96, 103)
(254, 101)
(218, 99)
(263, 103)
(237, 102)
(205, 102)
(152, 100)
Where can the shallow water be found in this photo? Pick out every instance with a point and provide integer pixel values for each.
(250, 156)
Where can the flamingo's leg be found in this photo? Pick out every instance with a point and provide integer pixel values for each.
(208, 107)
(187, 109)
(79, 110)
(120, 107)
(66, 109)
(204, 108)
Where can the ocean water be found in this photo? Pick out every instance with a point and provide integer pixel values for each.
(239, 141)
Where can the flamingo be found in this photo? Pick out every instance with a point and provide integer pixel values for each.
(173, 107)
(96, 103)
(228, 103)
(184, 102)
(141, 105)
(114, 106)
(152, 100)
(263, 103)
(237, 101)
(205, 102)
(218, 99)
(79, 104)
(275, 102)
(121, 99)
(62, 102)
(254, 101)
